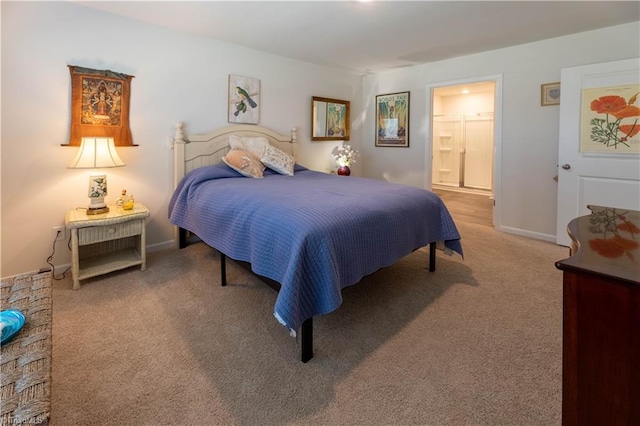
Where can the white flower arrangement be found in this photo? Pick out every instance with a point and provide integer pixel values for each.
(345, 155)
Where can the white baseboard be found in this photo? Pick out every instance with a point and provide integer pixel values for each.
(529, 234)
(166, 245)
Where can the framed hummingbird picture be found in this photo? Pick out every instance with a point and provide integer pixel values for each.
(244, 99)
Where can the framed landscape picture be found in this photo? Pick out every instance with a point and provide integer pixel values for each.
(392, 119)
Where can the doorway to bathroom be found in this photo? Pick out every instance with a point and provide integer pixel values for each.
(463, 143)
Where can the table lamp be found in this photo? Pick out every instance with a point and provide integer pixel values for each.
(97, 153)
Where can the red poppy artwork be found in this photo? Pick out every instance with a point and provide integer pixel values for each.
(611, 119)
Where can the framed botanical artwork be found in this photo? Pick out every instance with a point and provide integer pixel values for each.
(329, 119)
(550, 94)
(100, 105)
(244, 99)
(392, 119)
(609, 120)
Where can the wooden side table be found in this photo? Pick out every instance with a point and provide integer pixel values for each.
(106, 242)
(601, 319)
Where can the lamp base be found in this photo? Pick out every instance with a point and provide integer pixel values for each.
(97, 191)
(98, 210)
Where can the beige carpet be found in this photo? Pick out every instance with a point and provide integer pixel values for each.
(478, 342)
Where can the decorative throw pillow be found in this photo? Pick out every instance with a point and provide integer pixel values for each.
(236, 142)
(278, 160)
(255, 145)
(244, 162)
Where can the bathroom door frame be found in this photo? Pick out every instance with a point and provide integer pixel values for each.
(497, 138)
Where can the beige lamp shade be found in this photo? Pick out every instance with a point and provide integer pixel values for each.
(96, 153)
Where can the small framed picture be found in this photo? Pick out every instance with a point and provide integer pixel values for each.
(550, 94)
(392, 120)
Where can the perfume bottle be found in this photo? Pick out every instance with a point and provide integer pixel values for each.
(128, 202)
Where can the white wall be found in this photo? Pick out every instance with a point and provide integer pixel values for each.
(178, 77)
(529, 131)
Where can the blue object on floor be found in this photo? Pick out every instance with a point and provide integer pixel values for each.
(12, 321)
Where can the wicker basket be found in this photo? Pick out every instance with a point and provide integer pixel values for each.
(25, 364)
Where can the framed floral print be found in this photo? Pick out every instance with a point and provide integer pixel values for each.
(100, 105)
(244, 100)
(610, 120)
(392, 120)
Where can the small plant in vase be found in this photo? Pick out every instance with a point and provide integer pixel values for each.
(345, 156)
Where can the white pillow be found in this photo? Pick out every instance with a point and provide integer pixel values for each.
(244, 162)
(255, 145)
(278, 160)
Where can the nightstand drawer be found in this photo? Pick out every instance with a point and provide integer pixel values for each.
(96, 234)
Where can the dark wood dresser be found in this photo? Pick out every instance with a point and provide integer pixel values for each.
(601, 319)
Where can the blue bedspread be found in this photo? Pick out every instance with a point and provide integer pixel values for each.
(314, 233)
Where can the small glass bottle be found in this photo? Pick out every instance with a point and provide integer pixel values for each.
(128, 202)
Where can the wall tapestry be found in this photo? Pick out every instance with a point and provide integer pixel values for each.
(392, 119)
(100, 105)
(610, 120)
(244, 99)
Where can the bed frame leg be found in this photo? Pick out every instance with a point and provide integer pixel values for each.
(432, 257)
(306, 340)
(223, 269)
(182, 238)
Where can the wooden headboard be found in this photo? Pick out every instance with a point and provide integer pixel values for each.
(196, 151)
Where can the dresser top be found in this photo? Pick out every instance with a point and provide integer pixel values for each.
(606, 242)
(78, 218)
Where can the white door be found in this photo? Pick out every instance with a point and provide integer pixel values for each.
(604, 175)
(478, 167)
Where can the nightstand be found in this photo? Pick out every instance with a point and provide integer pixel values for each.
(106, 242)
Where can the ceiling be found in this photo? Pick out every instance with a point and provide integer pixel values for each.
(374, 36)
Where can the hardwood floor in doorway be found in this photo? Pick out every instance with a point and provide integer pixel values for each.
(467, 207)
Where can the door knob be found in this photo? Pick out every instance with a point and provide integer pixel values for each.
(566, 166)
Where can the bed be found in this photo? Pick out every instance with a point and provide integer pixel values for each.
(307, 234)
